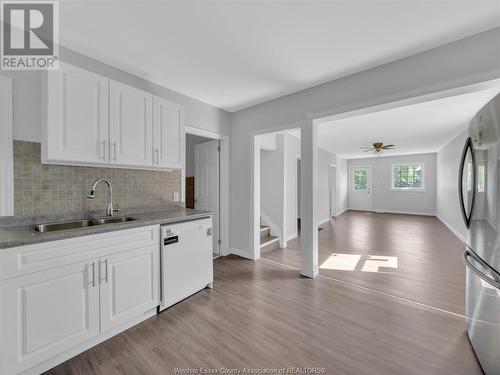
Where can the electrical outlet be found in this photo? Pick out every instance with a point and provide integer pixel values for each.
(176, 197)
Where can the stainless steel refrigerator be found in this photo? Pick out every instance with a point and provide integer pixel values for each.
(479, 195)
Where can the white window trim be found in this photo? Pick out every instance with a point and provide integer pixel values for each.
(6, 148)
(411, 190)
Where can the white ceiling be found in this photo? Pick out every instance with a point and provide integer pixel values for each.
(234, 54)
(418, 128)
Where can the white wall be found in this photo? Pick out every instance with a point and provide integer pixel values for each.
(325, 158)
(386, 200)
(191, 141)
(448, 162)
(456, 64)
(27, 98)
(272, 187)
(341, 200)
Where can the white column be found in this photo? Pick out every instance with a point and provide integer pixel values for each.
(255, 181)
(309, 192)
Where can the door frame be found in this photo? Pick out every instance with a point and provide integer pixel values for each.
(370, 177)
(333, 197)
(223, 186)
(6, 147)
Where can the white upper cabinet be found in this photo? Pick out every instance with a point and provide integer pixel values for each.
(130, 125)
(168, 134)
(92, 120)
(75, 128)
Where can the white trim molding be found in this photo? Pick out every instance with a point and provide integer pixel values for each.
(6, 148)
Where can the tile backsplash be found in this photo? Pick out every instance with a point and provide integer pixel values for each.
(46, 189)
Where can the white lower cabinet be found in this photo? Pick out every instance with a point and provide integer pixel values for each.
(45, 313)
(129, 285)
(50, 315)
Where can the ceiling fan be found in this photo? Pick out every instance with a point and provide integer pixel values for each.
(378, 147)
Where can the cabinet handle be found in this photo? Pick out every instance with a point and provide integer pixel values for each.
(103, 148)
(114, 151)
(91, 266)
(105, 277)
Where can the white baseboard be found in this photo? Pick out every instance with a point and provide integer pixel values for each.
(341, 212)
(400, 212)
(452, 229)
(241, 253)
(291, 236)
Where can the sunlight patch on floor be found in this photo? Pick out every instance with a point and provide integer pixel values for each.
(373, 263)
(365, 263)
(343, 262)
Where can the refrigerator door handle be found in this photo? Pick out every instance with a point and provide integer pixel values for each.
(468, 146)
(490, 280)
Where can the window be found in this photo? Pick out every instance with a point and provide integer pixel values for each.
(469, 176)
(408, 176)
(360, 179)
(481, 178)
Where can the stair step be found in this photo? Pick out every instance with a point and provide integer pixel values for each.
(268, 244)
(264, 232)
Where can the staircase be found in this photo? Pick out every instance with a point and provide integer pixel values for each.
(268, 243)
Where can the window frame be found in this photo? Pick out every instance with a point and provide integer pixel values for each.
(421, 189)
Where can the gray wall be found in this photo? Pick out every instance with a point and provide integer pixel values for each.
(456, 64)
(27, 91)
(341, 200)
(325, 158)
(448, 162)
(386, 200)
(271, 186)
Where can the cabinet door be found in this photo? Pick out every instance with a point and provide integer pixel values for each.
(76, 121)
(129, 285)
(46, 313)
(168, 134)
(131, 126)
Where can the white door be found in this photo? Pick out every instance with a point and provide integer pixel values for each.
(206, 165)
(46, 313)
(130, 126)
(76, 127)
(333, 188)
(360, 197)
(129, 285)
(168, 134)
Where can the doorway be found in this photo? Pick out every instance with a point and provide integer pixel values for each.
(360, 181)
(203, 180)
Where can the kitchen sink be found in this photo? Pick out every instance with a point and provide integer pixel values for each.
(77, 224)
(113, 220)
(63, 225)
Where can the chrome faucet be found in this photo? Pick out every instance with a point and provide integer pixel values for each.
(110, 210)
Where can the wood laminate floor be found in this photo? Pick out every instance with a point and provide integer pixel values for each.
(428, 255)
(262, 314)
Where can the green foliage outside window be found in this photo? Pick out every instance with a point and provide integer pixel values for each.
(360, 180)
(407, 176)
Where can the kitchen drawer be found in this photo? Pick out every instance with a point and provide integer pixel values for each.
(23, 260)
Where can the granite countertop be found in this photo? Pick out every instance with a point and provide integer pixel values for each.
(21, 233)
